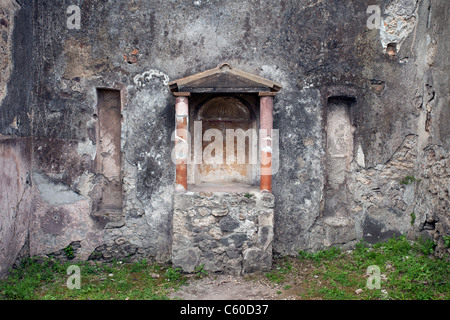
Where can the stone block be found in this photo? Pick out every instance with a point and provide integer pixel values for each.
(339, 230)
(256, 259)
(187, 259)
(268, 200)
(204, 211)
(228, 224)
(220, 212)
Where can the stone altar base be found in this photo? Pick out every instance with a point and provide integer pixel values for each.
(223, 232)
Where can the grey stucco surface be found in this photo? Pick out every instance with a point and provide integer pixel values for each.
(317, 50)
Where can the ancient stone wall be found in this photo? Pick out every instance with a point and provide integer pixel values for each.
(394, 75)
(432, 201)
(223, 231)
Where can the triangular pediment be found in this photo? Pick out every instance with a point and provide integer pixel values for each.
(223, 78)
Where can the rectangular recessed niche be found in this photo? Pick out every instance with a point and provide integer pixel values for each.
(339, 140)
(108, 157)
(338, 221)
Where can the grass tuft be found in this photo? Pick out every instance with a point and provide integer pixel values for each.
(408, 271)
(46, 279)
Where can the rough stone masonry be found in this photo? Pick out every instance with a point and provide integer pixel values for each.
(87, 117)
(223, 231)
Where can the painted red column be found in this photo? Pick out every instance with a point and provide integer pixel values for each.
(181, 141)
(265, 136)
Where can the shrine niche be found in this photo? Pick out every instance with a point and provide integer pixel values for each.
(220, 114)
(223, 206)
(228, 143)
(107, 191)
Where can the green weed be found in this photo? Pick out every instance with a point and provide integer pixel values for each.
(28, 276)
(409, 271)
(446, 241)
(409, 180)
(45, 279)
(69, 252)
(413, 218)
(200, 272)
(278, 274)
(319, 256)
(139, 266)
(425, 246)
(174, 274)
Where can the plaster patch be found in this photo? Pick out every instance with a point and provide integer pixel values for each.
(399, 19)
(9, 9)
(54, 193)
(86, 147)
(360, 157)
(146, 76)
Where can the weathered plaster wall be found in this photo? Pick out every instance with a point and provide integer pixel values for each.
(318, 50)
(15, 199)
(8, 10)
(16, 25)
(15, 131)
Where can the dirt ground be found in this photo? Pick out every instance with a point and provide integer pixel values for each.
(250, 287)
(225, 287)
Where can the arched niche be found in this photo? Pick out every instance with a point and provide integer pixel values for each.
(219, 117)
(220, 114)
(228, 142)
